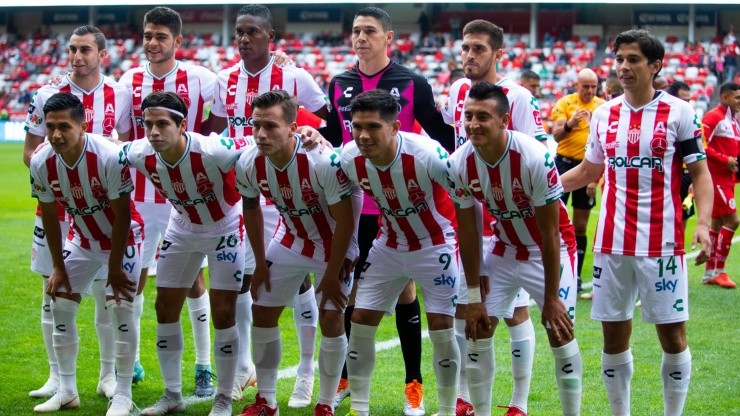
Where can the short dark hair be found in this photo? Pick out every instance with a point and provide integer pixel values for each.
(164, 16)
(378, 100)
(677, 86)
(257, 10)
(379, 14)
(649, 45)
(480, 26)
(63, 101)
(486, 91)
(167, 100)
(278, 97)
(727, 87)
(529, 75)
(92, 30)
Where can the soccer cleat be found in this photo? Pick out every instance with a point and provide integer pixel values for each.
(513, 411)
(60, 400)
(463, 408)
(169, 403)
(221, 405)
(722, 280)
(119, 405)
(241, 382)
(342, 392)
(48, 389)
(323, 410)
(139, 372)
(587, 295)
(302, 392)
(203, 380)
(259, 408)
(414, 405)
(107, 386)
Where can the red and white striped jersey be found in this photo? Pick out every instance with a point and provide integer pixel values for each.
(641, 204)
(302, 192)
(200, 185)
(85, 190)
(107, 107)
(193, 83)
(236, 88)
(722, 134)
(523, 109)
(525, 177)
(412, 192)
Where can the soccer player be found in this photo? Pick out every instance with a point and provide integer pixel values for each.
(531, 81)
(722, 133)
(407, 177)
(312, 194)
(481, 50)
(682, 90)
(236, 88)
(515, 178)
(195, 84)
(371, 37)
(572, 116)
(195, 174)
(85, 175)
(638, 141)
(107, 106)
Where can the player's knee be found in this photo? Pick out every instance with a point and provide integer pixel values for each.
(437, 321)
(521, 314)
(672, 337)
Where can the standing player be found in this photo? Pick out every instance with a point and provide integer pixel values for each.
(640, 139)
(722, 134)
(195, 173)
(195, 84)
(86, 176)
(371, 37)
(236, 88)
(572, 115)
(406, 176)
(516, 180)
(312, 195)
(481, 50)
(107, 106)
(531, 81)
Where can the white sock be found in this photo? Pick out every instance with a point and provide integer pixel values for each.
(47, 330)
(360, 364)
(331, 360)
(169, 352)
(138, 311)
(225, 350)
(127, 338)
(481, 367)
(244, 324)
(462, 346)
(616, 371)
(446, 358)
(104, 328)
(66, 342)
(306, 317)
(568, 373)
(522, 359)
(266, 352)
(676, 374)
(199, 310)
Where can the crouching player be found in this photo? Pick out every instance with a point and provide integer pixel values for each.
(515, 177)
(85, 174)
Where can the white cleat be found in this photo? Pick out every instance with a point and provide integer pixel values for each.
(48, 389)
(120, 405)
(241, 382)
(107, 386)
(221, 405)
(302, 392)
(59, 401)
(168, 403)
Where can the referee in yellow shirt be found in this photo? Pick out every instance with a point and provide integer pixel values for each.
(572, 115)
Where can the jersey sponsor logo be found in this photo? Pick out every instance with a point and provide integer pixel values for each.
(232, 106)
(139, 122)
(474, 185)
(39, 232)
(31, 108)
(204, 185)
(537, 117)
(298, 212)
(394, 92)
(98, 191)
(309, 197)
(521, 199)
(444, 280)
(195, 201)
(226, 257)
(109, 109)
(659, 145)
(510, 214)
(610, 145)
(405, 212)
(89, 210)
(636, 162)
(515, 184)
(137, 92)
(342, 178)
(613, 127)
(416, 195)
(239, 121)
(633, 134)
(348, 92)
(36, 120)
(666, 285)
(552, 177)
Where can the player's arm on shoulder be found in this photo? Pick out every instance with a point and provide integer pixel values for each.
(430, 118)
(30, 144)
(213, 124)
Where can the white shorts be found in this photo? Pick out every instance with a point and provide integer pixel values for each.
(83, 266)
(387, 271)
(509, 276)
(288, 270)
(40, 255)
(661, 283)
(155, 217)
(183, 251)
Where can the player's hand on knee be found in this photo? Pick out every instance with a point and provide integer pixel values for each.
(556, 320)
(331, 291)
(260, 276)
(476, 321)
(485, 287)
(345, 273)
(122, 286)
(57, 280)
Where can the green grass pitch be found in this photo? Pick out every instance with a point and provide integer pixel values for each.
(713, 334)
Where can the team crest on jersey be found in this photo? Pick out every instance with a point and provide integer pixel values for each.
(77, 191)
(250, 96)
(276, 87)
(178, 186)
(97, 189)
(89, 115)
(659, 145)
(389, 192)
(633, 134)
(286, 192)
(416, 195)
(204, 186)
(36, 120)
(497, 192)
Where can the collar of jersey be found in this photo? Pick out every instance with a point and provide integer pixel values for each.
(503, 155)
(290, 162)
(269, 64)
(398, 152)
(77, 87)
(184, 154)
(77, 162)
(657, 95)
(177, 65)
